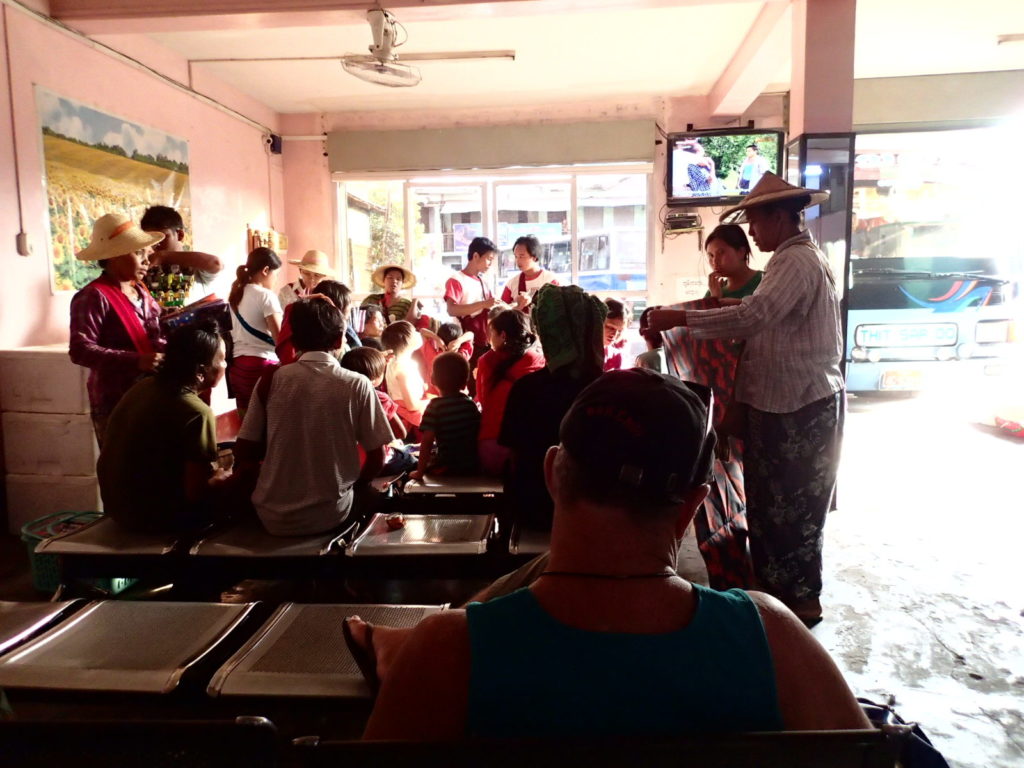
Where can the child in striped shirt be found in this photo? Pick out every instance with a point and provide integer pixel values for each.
(450, 422)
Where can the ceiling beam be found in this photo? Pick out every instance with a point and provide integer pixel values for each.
(109, 17)
(756, 61)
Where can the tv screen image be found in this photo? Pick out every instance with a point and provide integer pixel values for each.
(713, 167)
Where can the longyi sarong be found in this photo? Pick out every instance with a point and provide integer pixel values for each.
(721, 523)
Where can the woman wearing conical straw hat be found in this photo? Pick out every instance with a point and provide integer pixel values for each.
(790, 382)
(115, 323)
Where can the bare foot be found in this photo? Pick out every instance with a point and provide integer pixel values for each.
(380, 642)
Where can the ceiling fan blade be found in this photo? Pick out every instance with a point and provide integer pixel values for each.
(458, 55)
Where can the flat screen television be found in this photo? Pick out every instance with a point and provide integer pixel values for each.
(719, 167)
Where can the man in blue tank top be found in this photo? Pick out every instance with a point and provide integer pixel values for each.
(609, 640)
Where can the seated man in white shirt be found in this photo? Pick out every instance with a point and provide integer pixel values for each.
(308, 425)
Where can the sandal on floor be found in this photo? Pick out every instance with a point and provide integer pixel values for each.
(365, 658)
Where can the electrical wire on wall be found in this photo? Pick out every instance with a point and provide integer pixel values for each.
(21, 240)
(134, 63)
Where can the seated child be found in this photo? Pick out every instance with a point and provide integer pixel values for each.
(456, 340)
(654, 358)
(615, 323)
(371, 363)
(340, 297)
(450, 338)
(373, 323)
(451, 422)
(404, 381)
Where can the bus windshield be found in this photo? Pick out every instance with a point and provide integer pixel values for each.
(934, 278)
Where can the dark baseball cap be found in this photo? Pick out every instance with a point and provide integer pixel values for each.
(643, 433)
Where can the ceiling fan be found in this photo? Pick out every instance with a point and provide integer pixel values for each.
(383, 67)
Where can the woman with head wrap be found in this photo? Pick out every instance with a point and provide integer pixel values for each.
(569, 322)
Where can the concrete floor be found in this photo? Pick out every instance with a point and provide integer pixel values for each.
(923, 578)
(923, 592)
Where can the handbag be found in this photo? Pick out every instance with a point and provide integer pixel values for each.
(918, 750)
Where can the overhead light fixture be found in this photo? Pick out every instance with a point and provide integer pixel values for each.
(1010, 39)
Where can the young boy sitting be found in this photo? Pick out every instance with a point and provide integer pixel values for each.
(371, 363)
(451, 422)
(373, 324)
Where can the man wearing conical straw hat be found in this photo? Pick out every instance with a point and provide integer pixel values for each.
(115, 323)
(791, 386)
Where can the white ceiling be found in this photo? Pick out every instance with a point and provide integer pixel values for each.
(613, 55)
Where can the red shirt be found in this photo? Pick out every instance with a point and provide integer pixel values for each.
(285, 349)
(492, 397)
(469, 289)
(390, 406)
(613, 355)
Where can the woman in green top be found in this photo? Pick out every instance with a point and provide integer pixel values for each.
(729, 255)
(156, 470)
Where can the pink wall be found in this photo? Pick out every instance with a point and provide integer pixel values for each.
(234, 181)
(309, 204)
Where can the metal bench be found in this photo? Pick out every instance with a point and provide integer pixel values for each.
(807, 749)
(424, 535)
(300, 652)
(105, 537)
(529, 542)
(452, 485)
(105, 549)
(20, 622)
(122, 646)
(251, 742)
(251, 540)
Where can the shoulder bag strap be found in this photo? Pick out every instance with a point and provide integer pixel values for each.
(264, 337)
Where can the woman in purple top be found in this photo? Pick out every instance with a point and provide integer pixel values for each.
(115, 322)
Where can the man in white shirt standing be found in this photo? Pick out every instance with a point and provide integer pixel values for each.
(790, 380)
(520, 288)
(469, 297)
(311, 421)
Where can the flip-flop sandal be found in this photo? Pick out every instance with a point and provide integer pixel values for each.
(366, 659)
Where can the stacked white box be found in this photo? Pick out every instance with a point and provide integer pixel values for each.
(49, 447)
(42, 380)
(49, 444)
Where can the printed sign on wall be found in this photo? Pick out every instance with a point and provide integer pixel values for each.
(98, 163)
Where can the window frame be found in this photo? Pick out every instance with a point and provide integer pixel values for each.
(488, 179)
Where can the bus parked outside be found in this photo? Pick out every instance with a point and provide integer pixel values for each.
(934, 291)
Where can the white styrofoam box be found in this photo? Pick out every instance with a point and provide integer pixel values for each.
(49, 444)
(42, 380)
(32, 496)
